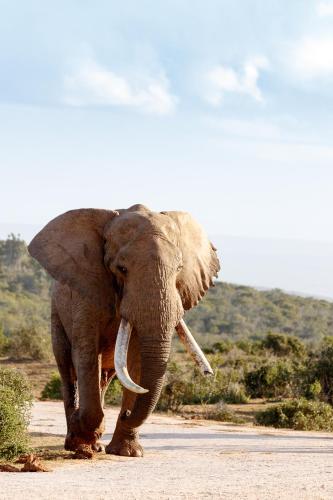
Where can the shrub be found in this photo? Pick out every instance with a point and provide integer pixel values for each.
(270, 380)
(224, 346)
(208, 350)
(298, 414)
(222, 413)
(235, 393)
(176, 389)
(186, 385)
(15, 404)
(3, 342)
(283, 345)
(53, 388)
(29, 343)
(201, 389)
(114, 393)
(313, 391)
(249, 346)
(323, 369)
(173, 396)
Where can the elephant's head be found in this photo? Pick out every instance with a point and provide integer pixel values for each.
(144, 267)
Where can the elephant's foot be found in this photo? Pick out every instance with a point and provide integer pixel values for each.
(125, 444)
(126, 448)
(82, 449)
(73, 443)
(79, 435)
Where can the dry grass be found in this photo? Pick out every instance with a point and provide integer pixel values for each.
(244, 412)
(37, 373)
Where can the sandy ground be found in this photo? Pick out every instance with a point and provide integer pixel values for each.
(184, 459)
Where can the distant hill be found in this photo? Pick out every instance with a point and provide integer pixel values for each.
(24, 288)
(227, 311)
(244, 312)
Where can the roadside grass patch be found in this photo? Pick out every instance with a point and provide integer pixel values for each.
(235, 394)
(222, 413)
(299, 415)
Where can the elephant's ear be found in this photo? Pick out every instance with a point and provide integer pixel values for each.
(71, 249)
(200, 262)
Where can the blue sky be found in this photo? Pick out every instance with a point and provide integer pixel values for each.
(220, 108)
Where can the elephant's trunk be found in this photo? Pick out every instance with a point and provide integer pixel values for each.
(154, 319)
(154, 363)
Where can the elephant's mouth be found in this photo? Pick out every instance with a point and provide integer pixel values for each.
(122, 343)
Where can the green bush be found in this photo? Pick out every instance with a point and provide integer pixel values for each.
(28, 343)
(283, 345)
(173, 396)
(15, 404)
(3, 342)
(298, 414)
(249, 346)
(323, 369)
(176, 389)
(199, 389)
(313, 390)
(53, 388)
(185, 385)
(235, 394)
(270, 381)
(224, 346)
(114, 393)
(222, 413)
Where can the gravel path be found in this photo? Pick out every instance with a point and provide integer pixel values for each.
(185, 459)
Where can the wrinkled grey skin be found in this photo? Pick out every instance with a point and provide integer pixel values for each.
(143, 266)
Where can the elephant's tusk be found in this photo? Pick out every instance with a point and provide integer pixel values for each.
(193, 348)
(120, 358)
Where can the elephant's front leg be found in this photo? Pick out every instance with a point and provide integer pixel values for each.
(87, 422)
(125, 440)
(105, 379)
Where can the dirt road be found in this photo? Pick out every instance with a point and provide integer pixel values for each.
(184, 460)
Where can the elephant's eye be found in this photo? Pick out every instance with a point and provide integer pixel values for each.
(122, 270)
(180, 267)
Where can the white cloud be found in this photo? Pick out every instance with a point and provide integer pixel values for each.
(94, 85)
(223, 79)
(325, 9)
(312, 57)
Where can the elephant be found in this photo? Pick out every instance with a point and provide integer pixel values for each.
(123, 281)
